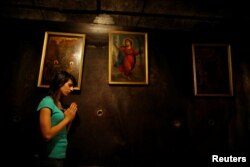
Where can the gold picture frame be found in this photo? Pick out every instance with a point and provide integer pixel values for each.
(128, 58)
(61, 51)
(212, 70)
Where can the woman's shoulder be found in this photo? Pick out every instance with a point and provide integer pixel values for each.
(47, 101)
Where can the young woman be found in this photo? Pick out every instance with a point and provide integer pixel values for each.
(54, 120)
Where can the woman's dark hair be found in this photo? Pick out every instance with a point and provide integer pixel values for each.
(59, 80)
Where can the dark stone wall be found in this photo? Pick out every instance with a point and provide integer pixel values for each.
(153, 125)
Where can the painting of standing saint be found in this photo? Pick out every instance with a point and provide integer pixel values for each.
(128, 58)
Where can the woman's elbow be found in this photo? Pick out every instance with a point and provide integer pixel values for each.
(47, 137)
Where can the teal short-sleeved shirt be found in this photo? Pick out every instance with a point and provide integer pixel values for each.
(57, 146)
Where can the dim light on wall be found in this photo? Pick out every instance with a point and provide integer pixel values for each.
(104, 19)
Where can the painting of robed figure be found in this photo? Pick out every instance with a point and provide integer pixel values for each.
(128, 58)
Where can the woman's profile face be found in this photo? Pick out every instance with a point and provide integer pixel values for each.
(67, 88)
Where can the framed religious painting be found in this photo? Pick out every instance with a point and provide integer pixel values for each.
(61, 51)
(128, 58)
(212, 70)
